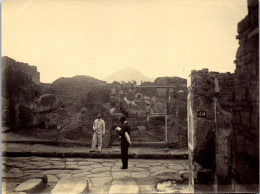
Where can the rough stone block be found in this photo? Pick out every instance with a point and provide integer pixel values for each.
(31, 186)
(251, 177)
(124, 186)
(252, 149)
(245, 118)
(251, 3)
(71, 185)
(254, 121)
(243, 24)
(240, 94)
(253, 15)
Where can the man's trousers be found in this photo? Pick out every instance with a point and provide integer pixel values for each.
(97, 139)
(124, 155)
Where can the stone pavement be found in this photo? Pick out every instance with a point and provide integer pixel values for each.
(96, 175)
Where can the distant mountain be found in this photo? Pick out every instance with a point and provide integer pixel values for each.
(126, 75)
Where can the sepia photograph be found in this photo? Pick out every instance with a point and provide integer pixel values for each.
(129, 96)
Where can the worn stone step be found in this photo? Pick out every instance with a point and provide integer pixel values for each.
(124, 186)
(31, 186)
(71, 185)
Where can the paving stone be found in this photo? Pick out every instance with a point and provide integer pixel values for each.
(166, 187)
(140, 174)
(175, 167)
(20, 165)
(156, 164)
(96, 166)
(46, 167)
(12, 175)
(163, 171)
(59, 166)
(40, 163)
(107, 165)
(71, 163)
(37, 159)
(30, 167)
(104, 174)
(98, 170)
(101, 181)
(129, 186)
(82, 174)
(15, 170)
(31, 186)
(143, 165)
(118, 164)
(54, 172)
(73, 185)
(134, 169)
(109, 161)
(77, 171)
(99, 189)
(72, 166)
(119, 175)
(63, 175)
(85, 163)
(71, 159)
(86, 168)
(52, 178)
(57, 163)
(32, 171)
(116, 169)
(169, 176)
(147, 189)
(55, 159)
(159, 168)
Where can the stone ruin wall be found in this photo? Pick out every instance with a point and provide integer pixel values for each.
(223, 119)
(150, 107)
(81, 98)
(209, 121)
(20, 87)
(245, 115)
(70, 106)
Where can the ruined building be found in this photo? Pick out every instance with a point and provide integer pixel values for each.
(223, 119)
(156, 112)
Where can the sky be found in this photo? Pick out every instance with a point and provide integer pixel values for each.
(65, 38)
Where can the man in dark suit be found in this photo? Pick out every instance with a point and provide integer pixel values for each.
(124, 133)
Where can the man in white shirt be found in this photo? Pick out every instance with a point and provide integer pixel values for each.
(99, 132)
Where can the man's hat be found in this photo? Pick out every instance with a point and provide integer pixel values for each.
(122, 118)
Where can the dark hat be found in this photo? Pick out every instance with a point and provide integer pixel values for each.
(122, 118)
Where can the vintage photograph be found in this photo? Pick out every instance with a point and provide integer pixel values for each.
(130, 96)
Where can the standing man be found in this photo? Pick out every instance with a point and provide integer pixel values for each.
(99, 132)
(124, 133)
